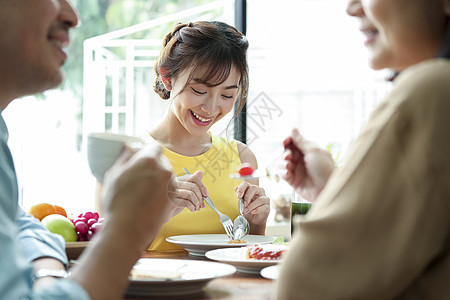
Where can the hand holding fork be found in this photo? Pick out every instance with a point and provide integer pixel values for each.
(226, 221)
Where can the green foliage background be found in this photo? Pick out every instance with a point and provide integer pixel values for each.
(102, 16)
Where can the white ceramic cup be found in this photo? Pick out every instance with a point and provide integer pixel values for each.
(103, 149)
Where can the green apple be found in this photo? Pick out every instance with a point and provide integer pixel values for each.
(61, 225)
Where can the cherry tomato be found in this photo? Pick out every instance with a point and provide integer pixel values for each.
(246, 169)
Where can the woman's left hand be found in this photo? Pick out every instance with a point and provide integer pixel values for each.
(256, 203)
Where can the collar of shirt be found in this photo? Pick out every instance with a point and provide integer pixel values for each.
(3, 129)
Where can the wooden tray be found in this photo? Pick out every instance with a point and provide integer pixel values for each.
(74, 249)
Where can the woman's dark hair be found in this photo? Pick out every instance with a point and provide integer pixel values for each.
(214, 45)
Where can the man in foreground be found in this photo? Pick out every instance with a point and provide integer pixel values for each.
(135, 198)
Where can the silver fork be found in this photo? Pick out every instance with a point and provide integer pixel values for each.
(226, 221)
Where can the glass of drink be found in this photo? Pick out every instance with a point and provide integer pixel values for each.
(299, 206)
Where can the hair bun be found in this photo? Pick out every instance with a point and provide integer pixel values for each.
(160, 89)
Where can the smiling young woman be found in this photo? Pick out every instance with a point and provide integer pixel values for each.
(203, 72)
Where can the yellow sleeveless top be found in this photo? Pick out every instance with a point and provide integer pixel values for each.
(221, 160)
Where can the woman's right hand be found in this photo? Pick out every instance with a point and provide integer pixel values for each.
(189, 192)
(308, 167)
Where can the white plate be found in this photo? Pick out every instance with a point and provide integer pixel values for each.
(236, 257)
(194, 275)
(271, 272)
(199, 244)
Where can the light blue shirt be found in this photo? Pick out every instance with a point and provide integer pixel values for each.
(23, 239)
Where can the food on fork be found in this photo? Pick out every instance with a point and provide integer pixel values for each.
(237, 241)
(246, 169)
(266, 251)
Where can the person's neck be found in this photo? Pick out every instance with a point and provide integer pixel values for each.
(173, 136)
(4, 101)
(8, 90)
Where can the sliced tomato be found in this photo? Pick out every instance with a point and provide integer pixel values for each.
(246, 169)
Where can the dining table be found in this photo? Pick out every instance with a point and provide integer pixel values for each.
(235, 286)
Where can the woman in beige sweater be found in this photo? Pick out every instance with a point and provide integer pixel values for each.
(379, 227)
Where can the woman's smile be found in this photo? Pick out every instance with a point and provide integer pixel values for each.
(200, 120)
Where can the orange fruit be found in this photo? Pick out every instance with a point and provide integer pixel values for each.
(60, 211)
(42, 210)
